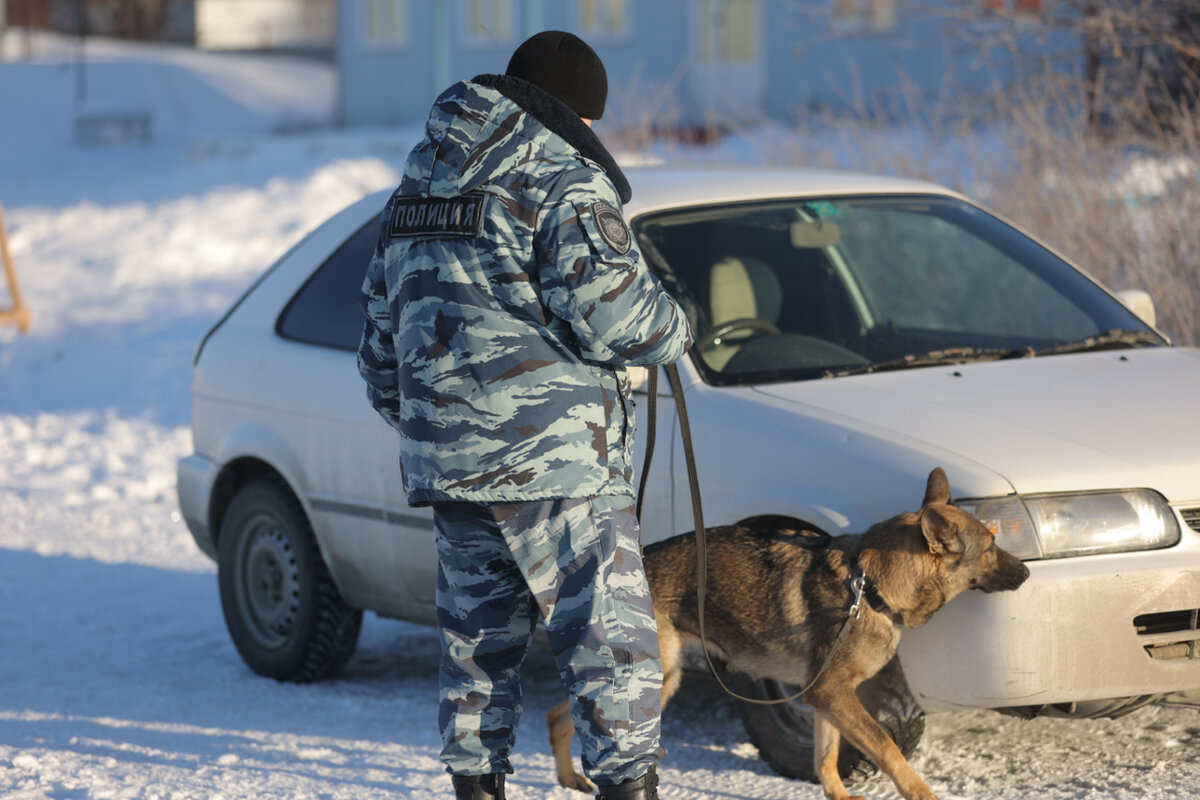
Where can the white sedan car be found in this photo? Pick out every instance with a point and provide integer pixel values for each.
(853, 333)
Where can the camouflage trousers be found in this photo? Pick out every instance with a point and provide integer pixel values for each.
(576, 563)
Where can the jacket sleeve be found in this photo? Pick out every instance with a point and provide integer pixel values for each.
(376, 352)
(593, 278)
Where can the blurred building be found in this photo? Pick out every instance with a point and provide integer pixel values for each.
(705, 62)
(291, 25)
(263, 25)
(158, 20)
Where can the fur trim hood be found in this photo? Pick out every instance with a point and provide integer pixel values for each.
(478, 128)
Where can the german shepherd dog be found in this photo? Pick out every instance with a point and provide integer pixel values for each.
(775, 606)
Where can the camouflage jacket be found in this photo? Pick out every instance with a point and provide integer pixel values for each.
(503, 302)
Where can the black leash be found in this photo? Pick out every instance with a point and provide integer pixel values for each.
(651, 439)
(858, 582)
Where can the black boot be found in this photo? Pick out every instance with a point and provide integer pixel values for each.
(479, 787)
(643, 788)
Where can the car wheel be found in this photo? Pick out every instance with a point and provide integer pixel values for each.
(783, 732)
(284, 613)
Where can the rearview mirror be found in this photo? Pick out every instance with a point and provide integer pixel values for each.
(813, 234)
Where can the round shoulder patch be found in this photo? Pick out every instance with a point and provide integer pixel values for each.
(612, 227)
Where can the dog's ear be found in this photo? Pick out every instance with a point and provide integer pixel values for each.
(937, 488)
(941, 534)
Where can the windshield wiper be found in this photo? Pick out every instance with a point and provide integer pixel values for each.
(964, 355)
(1111, 340)
(951, 355)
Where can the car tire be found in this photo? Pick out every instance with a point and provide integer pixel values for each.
(284, 613)
(783, 732)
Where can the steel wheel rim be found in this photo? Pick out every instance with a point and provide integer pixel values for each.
(269, 583)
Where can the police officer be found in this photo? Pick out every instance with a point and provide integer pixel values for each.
(504, 301)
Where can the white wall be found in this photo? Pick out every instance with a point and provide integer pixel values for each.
(264, 24)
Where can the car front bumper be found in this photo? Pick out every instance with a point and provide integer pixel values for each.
(1089, 628)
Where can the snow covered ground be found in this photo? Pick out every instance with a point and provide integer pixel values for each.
(117, 678)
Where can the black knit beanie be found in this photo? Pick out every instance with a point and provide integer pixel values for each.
(565, 66)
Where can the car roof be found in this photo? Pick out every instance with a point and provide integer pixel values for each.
(656, 188)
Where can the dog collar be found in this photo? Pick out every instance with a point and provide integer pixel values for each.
(874, 600)
(863, 589)
(858, 585)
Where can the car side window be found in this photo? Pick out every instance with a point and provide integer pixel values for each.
(326, 310)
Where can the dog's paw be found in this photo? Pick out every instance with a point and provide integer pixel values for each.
(923, 793)
(579, 783)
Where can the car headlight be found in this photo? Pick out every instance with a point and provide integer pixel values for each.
(1059, 525)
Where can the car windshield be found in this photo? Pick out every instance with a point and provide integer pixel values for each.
(845, 285)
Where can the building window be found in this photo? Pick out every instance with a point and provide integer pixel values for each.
(740, 42)
(491, 23)
(601, 20)
(883, 14)
(386, 23)
(728, 30)
(854, 16)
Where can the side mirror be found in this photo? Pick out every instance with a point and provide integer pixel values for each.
(1141, 303)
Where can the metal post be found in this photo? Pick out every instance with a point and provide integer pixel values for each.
(27, 39)
(80, 66)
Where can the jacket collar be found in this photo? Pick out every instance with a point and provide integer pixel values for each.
(561, 120)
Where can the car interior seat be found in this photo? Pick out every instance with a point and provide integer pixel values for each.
(740, 287)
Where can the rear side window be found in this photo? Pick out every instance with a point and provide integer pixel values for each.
(326, 310)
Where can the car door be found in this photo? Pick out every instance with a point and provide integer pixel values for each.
(380, 551)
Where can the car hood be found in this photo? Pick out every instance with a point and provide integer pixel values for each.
(1112, 419)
